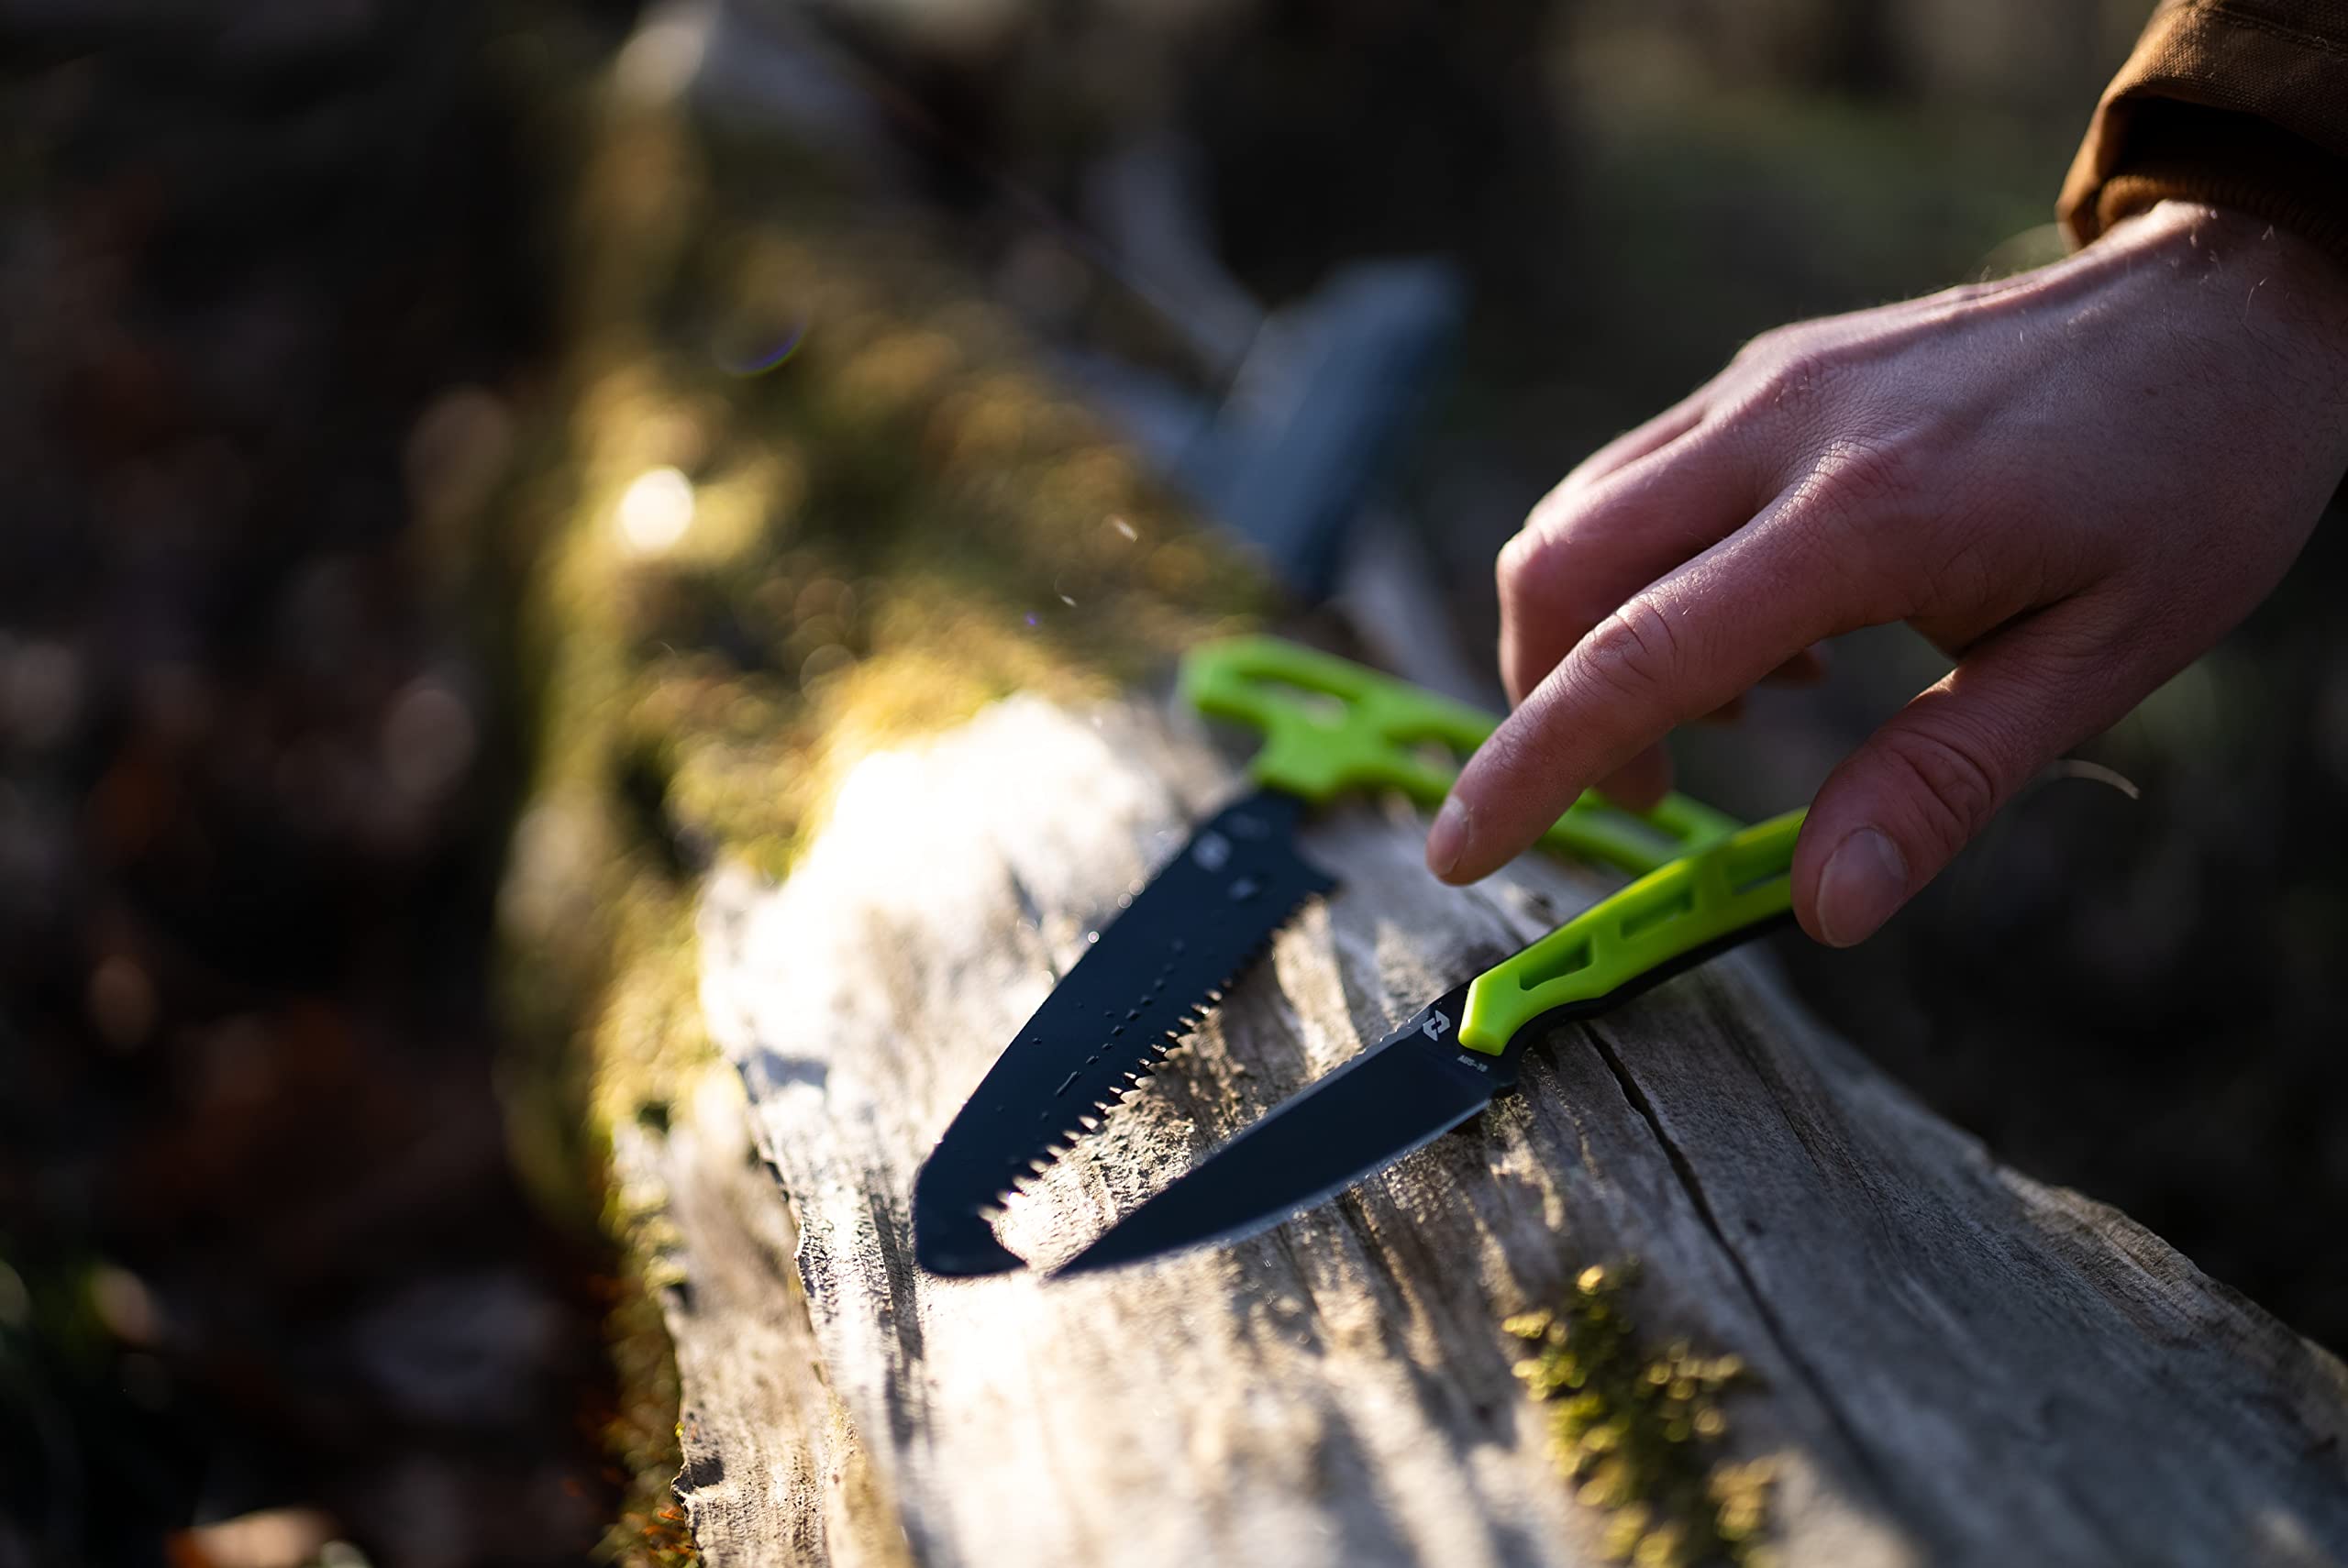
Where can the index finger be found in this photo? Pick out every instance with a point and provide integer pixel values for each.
(1678, 649)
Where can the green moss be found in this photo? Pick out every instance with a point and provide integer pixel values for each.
(895, 525)
(1640, 1432)
(640, 1434)
(740, 583)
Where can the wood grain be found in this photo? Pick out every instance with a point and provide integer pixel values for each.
(1954, 1363)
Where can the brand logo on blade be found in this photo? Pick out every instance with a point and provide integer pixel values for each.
(1435, 1024)
(1212, 851)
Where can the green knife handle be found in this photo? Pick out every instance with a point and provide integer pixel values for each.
(1331, 725)
(1685, 910)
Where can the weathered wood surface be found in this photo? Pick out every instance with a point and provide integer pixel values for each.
(1955, 1363)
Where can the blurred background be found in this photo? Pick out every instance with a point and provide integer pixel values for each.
(307, 304)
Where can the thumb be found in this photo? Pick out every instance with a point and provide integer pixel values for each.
(1897, 810)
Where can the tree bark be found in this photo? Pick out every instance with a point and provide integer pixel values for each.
(1948, 1360)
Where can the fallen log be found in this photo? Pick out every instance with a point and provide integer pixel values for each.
(1942, 1360)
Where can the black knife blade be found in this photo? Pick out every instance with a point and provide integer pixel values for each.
(1402, 1094)
(1446, 1063)
(1149, 978)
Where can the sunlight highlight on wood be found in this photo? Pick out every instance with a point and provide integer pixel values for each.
(1942, 1360)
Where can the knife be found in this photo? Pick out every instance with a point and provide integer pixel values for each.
(1444, 1065)
(1330, 726)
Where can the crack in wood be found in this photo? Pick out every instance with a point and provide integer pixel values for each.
(1855, 1451)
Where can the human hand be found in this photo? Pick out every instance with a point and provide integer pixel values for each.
(2073, 481)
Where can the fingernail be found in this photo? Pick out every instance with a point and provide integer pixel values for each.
(1863, 882)
(1447, 840)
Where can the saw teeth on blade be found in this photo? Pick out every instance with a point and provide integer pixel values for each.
(1158, 1051)
(1163, 999)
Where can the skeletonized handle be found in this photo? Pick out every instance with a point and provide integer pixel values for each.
(1331, 725)
(1693, 905)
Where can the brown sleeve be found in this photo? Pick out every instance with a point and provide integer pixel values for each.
(2240, 103)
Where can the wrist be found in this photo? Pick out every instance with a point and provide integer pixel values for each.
(2279, 290)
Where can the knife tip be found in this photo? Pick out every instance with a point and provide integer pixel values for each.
(961, 1248)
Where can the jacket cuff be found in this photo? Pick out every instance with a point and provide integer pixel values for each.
(2240, 103)
(2291, 186)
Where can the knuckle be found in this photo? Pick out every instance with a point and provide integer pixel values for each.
(1578, 480)
(1553, 514)
(1516, 557)
(1514, 572)
(1634, 654)
(1853, 502)
(1527, 567)
(1855, 475)
(1952, 779)
(1801, 376)
(1775, 342)
(1868, 470)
